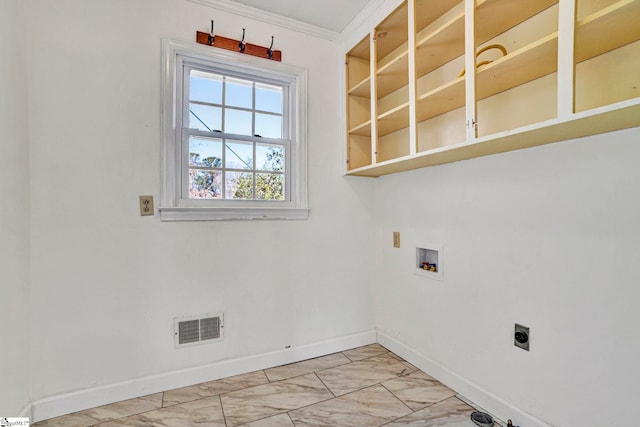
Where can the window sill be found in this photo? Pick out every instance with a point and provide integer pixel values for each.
(230, 214)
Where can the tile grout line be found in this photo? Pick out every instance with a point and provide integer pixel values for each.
(324, 384)
(224, 416)
(303, 361)
(394, 395)
(312, 371)
(125, 416)
(319, 401)
(292, 422)
(215, 394)
(99, 422)
(352, 392)
(367, 386)
(421, 409)
(284, 411)
(315, 373)
(368, 357)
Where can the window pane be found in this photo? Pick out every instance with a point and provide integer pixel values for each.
(239, 93)
(203, 117)
(239, 155)
(205, 87)
(239, 185)
(238, 122)
(270, 157)
(268, 126)
(205, 184)
(268, 98)
(269, 186)
(205, 152)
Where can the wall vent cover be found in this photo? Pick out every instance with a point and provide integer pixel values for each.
(193, 330)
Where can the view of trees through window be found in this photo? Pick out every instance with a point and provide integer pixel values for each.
(206, 177)
(238, 152)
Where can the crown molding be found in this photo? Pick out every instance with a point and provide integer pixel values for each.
(363, 16)
(270, 18)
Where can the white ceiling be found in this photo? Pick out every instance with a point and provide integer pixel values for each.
(333, 15)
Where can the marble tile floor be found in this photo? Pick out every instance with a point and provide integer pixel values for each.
(365, 386)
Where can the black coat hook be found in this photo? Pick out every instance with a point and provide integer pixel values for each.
(242, 44)
(270, 50)
(212, 37)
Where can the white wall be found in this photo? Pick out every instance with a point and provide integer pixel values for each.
(14, 213)
(546, 237)
(107, 283)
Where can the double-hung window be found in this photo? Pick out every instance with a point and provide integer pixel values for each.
(234, 136)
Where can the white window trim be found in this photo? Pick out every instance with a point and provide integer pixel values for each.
(171, 208)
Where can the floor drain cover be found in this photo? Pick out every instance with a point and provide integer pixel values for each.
(482, 419)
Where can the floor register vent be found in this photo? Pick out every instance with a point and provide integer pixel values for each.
(193, 330)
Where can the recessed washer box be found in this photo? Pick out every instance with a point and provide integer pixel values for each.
(429, 261)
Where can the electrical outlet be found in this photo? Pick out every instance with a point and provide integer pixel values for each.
(396, 239)
(146, 205)
(521, 337)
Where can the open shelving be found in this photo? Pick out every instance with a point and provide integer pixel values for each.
(439, 57)
(600, 32)
(527, 96)
(359, 130)
(607, 54)
(441, 41)
(529, 63)
(392, 85)
(530, 39)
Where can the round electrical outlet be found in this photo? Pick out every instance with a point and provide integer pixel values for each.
(521, 337)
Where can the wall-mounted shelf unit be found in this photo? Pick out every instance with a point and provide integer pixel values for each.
(571, 69)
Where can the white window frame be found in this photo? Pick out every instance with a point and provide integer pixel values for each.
(175, 207)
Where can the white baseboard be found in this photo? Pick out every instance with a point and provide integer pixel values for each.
(89, 398)
(26, 411)
(480, 397)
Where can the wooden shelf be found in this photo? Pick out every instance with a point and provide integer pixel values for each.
(359, 149)
(427, 11)
(393, 75)
(623, 116)
(440, 42)
(608, 29)
(529, 63)
(395, 27)
(524, 65)
(443, 40)
(362, 50)
(494, 17)
(443, 99)
(393, 120)
(362, 89)
(363, 129)
(391, 44)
